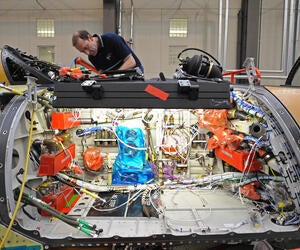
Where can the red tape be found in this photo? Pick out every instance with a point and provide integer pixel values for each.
(150, 89)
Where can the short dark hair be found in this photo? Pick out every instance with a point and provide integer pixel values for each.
(83, 34)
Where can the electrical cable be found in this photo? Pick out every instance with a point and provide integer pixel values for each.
(180, 59)
(95, 129)
(135, 196)
(28, 214)
(3, 240)
(21, 171)
(104, 188)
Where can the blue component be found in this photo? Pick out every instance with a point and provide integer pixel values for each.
(247, 107)
(287, 220)
(91, 130)
(130, 166)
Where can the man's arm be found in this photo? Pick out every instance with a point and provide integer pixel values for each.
(129, 63)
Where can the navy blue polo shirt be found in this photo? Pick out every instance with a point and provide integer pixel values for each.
(112, 52)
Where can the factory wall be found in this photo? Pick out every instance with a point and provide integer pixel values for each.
(18, 29)
(150, 36)
(153, 44)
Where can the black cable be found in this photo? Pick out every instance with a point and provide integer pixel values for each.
(45, 207)
(62, 180)
(21, 171)
(25, 212)
(73, 221)
(180, 59)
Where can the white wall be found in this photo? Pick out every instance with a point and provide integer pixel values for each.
(150, 30)
(18, 30)
(151, 34)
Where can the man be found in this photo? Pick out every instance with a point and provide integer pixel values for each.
(108, 51)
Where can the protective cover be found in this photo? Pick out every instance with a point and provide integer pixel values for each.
(130, 166)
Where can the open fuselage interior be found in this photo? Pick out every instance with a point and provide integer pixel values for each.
(143, 172)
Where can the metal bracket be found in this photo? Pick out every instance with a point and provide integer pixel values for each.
(185, 86)
(251, 73)
(32, 90)
(91, 86)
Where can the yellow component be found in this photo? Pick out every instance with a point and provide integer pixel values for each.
(256, 225)
(109, 177)
(93, 195)
(3, 76)
(53, 219)
(281, 204)
(43, 92)
(17, 92)
(17, 240)
(46, 183)
(273, 172)
(62, 145)
(165, 118)
(109, 169)
(231, 113)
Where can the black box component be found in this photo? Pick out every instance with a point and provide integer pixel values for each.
(202, 94)
(185, 86)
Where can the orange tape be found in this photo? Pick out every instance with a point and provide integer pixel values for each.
(150, 89)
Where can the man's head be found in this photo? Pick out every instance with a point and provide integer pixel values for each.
(84, 42)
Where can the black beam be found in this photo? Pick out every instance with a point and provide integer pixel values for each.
(109, 93)
(248, 31)
(110, 16)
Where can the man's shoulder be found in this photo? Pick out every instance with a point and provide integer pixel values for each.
(110, 34)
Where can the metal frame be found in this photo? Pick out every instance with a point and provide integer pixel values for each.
(289, 36)
(12, 115)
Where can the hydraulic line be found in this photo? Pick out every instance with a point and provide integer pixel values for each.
(78, 223)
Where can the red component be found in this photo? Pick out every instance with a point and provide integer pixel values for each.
(225, 137)
(80, 61)
(249, 191)
(51, 164)
(238, 71)
(75, 168)
(60, 200)
(169, 149)
(238, 159)
(64, 120)
(75, 73)
(64, 71)
(212, 119)
(93, 159)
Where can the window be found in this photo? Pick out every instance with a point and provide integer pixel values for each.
(178, 27)
(45, 28)
(46, 53)
(173, 53)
